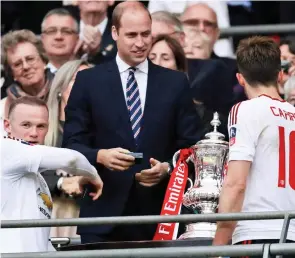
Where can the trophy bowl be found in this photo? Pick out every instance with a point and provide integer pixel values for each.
(209, 158)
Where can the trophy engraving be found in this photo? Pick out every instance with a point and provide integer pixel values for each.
(209, 158)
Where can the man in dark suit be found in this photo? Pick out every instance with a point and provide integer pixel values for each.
(129, 105)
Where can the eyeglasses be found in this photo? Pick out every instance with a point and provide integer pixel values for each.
(209, 25)
(63, 31)
(29, 60)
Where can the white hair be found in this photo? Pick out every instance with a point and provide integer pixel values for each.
(289, 86)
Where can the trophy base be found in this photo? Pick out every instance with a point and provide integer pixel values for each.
(199, 230)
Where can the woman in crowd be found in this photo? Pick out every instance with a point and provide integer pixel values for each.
(63, 205)
(24, 60)
(289, 89)
(167, 52)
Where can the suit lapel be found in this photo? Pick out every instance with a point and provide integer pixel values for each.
(119, 103)
(151, 97)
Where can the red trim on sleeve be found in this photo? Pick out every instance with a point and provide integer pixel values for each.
(234, 114)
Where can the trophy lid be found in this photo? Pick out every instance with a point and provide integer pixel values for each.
(214, 136)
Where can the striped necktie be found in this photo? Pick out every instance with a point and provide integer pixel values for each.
(133, 103)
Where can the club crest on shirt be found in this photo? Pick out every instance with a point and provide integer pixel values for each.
(232, 135)
(46, 200)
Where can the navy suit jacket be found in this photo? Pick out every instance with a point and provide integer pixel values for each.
(97, 118)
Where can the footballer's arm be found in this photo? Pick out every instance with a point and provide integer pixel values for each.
(231, 198)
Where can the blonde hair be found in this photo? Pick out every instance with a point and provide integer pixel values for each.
(59, 85)
(13, 38)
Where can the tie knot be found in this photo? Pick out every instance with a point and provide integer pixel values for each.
(132, 69)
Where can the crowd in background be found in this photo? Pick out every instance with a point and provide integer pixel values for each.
(43, 60)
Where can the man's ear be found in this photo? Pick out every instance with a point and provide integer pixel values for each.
(7, 126)
(241, 79)
(281, 77)
(114, 33)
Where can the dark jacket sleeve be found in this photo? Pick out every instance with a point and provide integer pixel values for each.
(189, 126)
(51, 179)
(77, 135)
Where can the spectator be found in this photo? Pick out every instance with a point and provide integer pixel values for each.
(289, 88)
(95, 31)
(202, 17)
(167, 52)
(155, 116)
(223, 47)
(165, 23)
(196, 43)
(62, 184)
(59, 37)
(24, 60)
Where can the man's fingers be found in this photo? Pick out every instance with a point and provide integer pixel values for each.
(122, 163)
(119, 168)
(78, 46)
(126, 157)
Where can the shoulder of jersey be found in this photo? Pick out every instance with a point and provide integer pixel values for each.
(242, 109)
(18, 140)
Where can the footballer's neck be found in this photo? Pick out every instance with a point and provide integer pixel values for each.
(271, 91)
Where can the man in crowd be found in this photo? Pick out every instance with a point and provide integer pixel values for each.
(24, 193)
(165, 23)
(59, 37)
(95, 31)
(260, 176)
(138, 107)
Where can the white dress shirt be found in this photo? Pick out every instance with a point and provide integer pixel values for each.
(51, 67)
(99, 27)
(141, 76)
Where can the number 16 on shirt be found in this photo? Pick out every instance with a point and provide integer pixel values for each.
(286, 158)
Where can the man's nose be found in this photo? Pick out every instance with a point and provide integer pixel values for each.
(139, 42)
(58, 35)
(34, 132)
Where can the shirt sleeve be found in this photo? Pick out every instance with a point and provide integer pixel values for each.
(244, 128)
(20, 158)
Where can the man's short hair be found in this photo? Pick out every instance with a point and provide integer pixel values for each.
(168, 18)
(26, 100)
(258, 60)
(60, 12)
(290, 41)
(119, 11)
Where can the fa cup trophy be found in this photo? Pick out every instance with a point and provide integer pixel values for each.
(209, 157)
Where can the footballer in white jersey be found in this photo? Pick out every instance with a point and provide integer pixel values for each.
(262, 130)
(25, 194)
(261, 164)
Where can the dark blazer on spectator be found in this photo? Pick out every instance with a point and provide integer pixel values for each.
(211, 82)
(108, 48)
(97, 118)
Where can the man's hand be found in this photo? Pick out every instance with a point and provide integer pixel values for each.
(74, 186)
(154, 175)
(97, 184)
(115, 159)
(90, 42)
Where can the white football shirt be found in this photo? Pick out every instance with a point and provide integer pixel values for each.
(25, 194)
(262, 130)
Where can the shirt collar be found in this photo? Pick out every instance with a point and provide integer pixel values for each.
(122, 66)
(101, 26)
(51, 67)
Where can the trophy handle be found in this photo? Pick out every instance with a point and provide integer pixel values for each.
(191, 183)
(175, 158)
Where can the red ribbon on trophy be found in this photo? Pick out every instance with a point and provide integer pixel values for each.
(173, 197)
